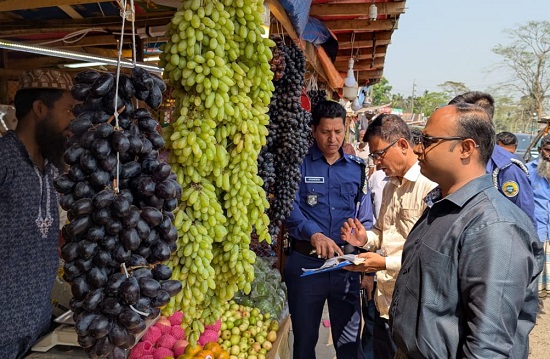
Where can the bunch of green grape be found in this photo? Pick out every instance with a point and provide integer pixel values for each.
(218, 63)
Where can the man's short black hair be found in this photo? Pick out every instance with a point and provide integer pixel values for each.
(507, 138)
(482, 99)
(389, 128)
(474, 122)
(327, 109)
(25, 98)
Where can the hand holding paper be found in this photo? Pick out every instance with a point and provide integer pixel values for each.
(334, 263)
(372, 262)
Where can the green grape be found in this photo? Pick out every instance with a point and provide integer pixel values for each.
(216, 60)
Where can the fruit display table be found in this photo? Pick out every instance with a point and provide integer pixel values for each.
(59, 352)
(281, 348)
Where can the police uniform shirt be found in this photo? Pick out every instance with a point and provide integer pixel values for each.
(328, 196)
(512, 180)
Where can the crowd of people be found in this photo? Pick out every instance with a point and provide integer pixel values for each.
(453, 259)
(451, 227)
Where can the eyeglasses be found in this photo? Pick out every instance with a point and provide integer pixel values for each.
(427, 141)
(379, 154)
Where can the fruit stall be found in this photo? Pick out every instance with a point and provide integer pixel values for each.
(179, 181)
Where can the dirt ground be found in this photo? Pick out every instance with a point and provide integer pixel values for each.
(539, 341)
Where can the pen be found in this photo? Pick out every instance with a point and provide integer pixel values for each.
(357, 205)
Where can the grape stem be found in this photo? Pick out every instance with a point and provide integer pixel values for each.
(113, 117)
(123, 266)
(139, 312)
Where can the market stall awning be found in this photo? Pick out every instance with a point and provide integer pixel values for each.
(94, 26)
(359, 34)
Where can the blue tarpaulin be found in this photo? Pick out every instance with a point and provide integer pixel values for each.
(316, 32)
(298, 12)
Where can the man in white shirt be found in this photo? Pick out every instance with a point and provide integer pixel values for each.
(362, 151)
(377, 182)
(391, 146)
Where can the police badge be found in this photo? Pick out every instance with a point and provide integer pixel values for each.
(510, 188)
(312, 199)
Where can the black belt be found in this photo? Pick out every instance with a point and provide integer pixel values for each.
(305, 247)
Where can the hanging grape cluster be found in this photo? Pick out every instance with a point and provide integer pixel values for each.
(287, 142)
(217, 62)
(117, 235)
(316, 96)
(278, 63)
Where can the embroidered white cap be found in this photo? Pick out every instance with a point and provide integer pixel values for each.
(45, 79)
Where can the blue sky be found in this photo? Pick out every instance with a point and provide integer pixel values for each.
(438, 41)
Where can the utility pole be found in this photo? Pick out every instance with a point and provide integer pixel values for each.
(412, 101)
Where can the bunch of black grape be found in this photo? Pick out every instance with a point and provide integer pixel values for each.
(278, 62)
(287, 142)
(119, 199)
(316, 96)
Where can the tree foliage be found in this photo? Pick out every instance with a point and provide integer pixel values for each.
(399, 101)
(381, 92)
(429, 102)
(527, 58)
(514, 115)
(454, 88)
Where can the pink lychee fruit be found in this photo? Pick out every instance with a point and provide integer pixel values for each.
(161, 353)
(140, 350)
(179, 347)
(152, 335)
(177, 332)
(208, 336)
(176, 318)
(166, 341)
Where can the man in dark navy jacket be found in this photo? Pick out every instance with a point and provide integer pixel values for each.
(467, 287)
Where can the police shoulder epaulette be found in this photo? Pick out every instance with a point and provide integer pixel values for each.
(514, 161)
(509, 188)
(520, 165)
(357, 160)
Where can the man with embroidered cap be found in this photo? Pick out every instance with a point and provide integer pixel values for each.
(332, 189)
(509, 174)
(32, 156)
(467, 287)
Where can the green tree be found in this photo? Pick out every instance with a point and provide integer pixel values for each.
(453, 88)
(514, 115)
(429, 101)
(381, 92)
(398, 101)
(527, 58)
(506, 114)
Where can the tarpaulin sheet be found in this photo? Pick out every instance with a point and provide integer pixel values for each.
(316, 32)
(298, 12)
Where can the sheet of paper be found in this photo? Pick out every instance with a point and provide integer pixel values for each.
(334, 263)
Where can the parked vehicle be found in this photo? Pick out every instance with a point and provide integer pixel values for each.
(524, 139)
(531, 152)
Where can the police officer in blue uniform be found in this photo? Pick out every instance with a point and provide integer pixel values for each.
(510, 176)
(332, 189)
